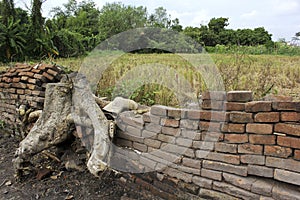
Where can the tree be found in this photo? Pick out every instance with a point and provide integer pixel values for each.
(7, 10)
(218, 24)
(160, 18)
(12, 39)
(116, 18)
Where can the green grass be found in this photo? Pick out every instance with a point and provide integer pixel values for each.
(135, 75)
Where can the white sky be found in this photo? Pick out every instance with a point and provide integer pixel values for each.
(280, 17)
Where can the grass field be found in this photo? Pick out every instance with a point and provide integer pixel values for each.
(262, 74)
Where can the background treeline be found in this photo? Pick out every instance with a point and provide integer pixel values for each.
(76, 28)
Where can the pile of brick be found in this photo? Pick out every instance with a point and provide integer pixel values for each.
(233, 148)
(25, 84)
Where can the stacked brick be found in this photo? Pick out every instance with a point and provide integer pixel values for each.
(25, 85)
(233, 148)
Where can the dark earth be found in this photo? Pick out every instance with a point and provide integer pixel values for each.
(60, 173)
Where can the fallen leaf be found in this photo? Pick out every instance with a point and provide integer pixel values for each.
(69, 197)
(42, 173)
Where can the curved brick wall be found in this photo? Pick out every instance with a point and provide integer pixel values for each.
(233, 148)
(25, 84)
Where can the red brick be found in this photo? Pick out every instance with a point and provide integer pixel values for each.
(169, 122)
(258, 106)
(289, 106)
(290, 116)
(16, 80)
(288, 142)
(267, 117)
(241, 117)
(212, 105)
(31, 86)
(214, 95)
(239, 96)
(262, 139)
(209, 126)
(175, 113)
(223, 157)
(259, 128)
(52, 72)
(278, 151)
(24, 78)
(19, 85)
(297, 154)
(233, 128)
(233, 106)
(290, 129)
(19, 91)
(236, 138)
(213, 116)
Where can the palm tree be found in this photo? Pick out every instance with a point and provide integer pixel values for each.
(12, 38)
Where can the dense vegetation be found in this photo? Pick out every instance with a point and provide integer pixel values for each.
(76, 28)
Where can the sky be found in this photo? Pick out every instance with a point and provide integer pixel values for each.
(281, 18)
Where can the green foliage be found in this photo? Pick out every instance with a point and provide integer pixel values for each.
(2, 124)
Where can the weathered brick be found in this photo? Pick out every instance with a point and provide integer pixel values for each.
(202, 182)
(288, 142)
(286, 106)
(134, 131)
(169, 122)
(253, 159)
(288, 164)
(212, 105)
(239, 96)
(123, 142)
(191, 163)
(178, 174)
(260, 171)
(147, 162)
(287, 176)
(286, 191)
(159, 110)
(226, 148)
(290, 116)
(166, 138)
(19, 85)
(259, 128)
(184, 142)
(233, 106)
(268, 117)
(175, 113)
(278, 151)
(16, 79)
(233, 190)
(188, 170)
(148, 118)
(211, 174)
(155, 128)
(52, 72)
(250, 149)
(130, 119)
(152, 143)
(140, 147)
(214, 95)
(219, 166)
(263, 187)
(191, 134)
(204, 145)
(236, 138)
(177, 150)
(241, 117)
(297, 154)
(209, 126)
(171, 131)
(242, 182)
(233, 128)
(48, 76)
(258, 106)
(189, 124)
(208, 194)
(262, 139)
(20, 91)
(194, 114)
(290, 129)
(128, 136)
(163, 157)
(226, 158)
(212, 136)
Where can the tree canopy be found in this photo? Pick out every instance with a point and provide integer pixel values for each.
(76, 28)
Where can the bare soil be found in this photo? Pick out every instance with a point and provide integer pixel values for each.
(49, 179)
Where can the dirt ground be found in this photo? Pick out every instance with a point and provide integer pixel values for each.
(49, 179)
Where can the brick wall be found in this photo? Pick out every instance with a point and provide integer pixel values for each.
(24, 84)
(233, 148)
